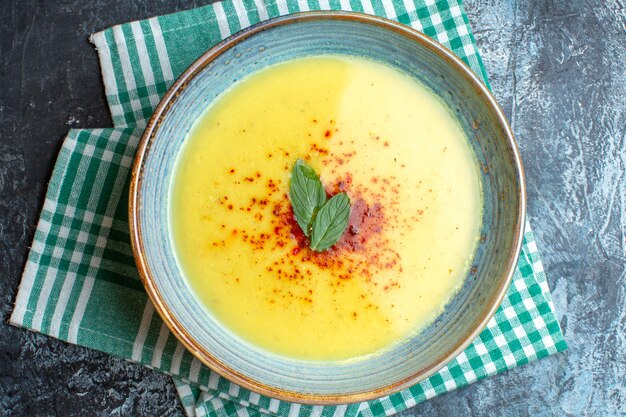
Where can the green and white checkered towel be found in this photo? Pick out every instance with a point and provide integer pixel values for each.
(80, 284)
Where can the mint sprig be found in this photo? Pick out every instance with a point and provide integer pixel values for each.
(307, 195)
(322, 221)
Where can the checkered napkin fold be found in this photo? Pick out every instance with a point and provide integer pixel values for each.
(80, 284)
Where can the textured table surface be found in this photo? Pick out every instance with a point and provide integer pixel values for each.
(558, 70)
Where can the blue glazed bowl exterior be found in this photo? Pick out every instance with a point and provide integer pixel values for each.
(407, 362)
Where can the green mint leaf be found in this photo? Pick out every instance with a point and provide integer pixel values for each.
(307, 195)
(330, 222)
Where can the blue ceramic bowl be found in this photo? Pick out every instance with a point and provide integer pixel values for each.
(409, 361)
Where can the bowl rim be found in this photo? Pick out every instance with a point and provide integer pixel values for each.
(146, 275)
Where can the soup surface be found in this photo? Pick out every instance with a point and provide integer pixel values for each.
(368, 130)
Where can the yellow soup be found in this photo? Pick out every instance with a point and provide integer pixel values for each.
(368, 130)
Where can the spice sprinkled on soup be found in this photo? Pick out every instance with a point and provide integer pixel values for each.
(371, 255)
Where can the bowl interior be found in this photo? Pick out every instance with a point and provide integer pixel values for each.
(406, 362)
